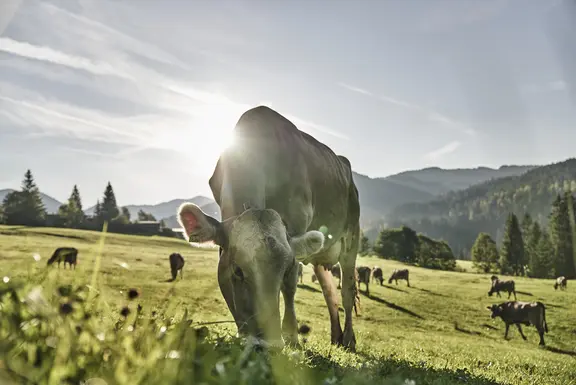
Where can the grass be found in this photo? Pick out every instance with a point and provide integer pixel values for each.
(436, 332)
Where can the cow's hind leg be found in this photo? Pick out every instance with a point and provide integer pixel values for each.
(541, 334)
(289, 323)
(324, 277)
(506, 332)
(520, 330)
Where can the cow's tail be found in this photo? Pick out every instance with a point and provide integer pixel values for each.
(544, 316)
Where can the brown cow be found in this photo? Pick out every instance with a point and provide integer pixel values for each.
(561, 282)
(285, 198)
(336, 273)
(399, 274)
(364, 277)
(176, 263)
(301, 272)
(68, 255)
(526, 313)
(498, 286)
(378, 275)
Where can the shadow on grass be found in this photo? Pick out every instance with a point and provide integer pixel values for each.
(430, 292)
(393, 306)
(524, 293)
(18, 232)
(489, 326)
(552, 305)
(391, 370)
(303, 286)
(561, 351)
(466, 331)
(394, 288)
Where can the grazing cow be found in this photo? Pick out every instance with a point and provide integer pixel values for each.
(399, 274)
(314, 278)
(336, 273)
(378, 275)
(527, 313)
(560, 282)
(301, 272)
(498, 286)
(176, 263)
(285, 198)
(68, 255)
(364, 273)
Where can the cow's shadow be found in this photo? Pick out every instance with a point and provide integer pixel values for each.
(560, 351)
(466, 331)
(430, 292)
(524, 293)
(394, 288)
(393, 306)
(303, 286)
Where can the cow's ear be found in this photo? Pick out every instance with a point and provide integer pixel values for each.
(307, 244)
(198, 227)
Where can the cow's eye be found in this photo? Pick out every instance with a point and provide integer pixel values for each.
(238, 273)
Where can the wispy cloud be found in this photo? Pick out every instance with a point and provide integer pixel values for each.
(539, 88)
(431, 115)
(444, 150)
(184, 112)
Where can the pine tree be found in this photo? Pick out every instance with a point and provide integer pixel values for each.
(542, 265)
(98, 210)
(485, 254)
(512, 255)
(144, 216)
(527, 227)
(71, 213)
(364, 245)
(109, 208)
(25, 207)
(561, 235)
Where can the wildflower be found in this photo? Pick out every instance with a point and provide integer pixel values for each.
(304, 329)
(133, 293)
(125, 311)
(37, 257)
(6, 279)
(66, 308)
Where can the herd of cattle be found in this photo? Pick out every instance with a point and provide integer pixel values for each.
(511, 312)
(287, 199)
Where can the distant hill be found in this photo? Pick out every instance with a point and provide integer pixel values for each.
(459, 216)
(160, 210)
(438, 181)
(51, 204)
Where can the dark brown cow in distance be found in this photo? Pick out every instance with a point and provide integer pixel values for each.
(285, 198)
(399, 274)
(364, 273)
(68, 255)
(336, 273)
(498, 286)
(522, 313)
(378, 275)
(561, 282)
(176, 263)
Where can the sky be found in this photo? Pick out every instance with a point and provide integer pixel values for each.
(145, 94)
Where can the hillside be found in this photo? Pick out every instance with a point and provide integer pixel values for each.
(51, 204)
(438, 331)
(459, 216)
(378, 196)
(438, 181)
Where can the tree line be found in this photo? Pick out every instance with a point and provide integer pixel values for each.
(405, 245)
(530, 248)
(25, 207)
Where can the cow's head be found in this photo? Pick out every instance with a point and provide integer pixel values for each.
(495, 309)
(256, 254)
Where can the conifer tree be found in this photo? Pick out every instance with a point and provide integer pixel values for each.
(485, 254)
(512, 254)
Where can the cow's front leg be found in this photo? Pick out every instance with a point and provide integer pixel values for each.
(289, 323)
(520, 330)
(498, 294)
(325, 280)
(506, 332)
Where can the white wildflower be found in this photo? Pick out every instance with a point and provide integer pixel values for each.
(37, 257)
(6, 279)
(173, 354)
(100, 336)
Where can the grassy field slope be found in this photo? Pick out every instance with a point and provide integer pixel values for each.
(436, 332)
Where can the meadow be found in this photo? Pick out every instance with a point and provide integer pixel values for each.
(59, 326)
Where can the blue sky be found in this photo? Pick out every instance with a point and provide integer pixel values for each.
(145, 93)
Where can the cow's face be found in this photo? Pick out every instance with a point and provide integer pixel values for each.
(495, 309)
(256, 256)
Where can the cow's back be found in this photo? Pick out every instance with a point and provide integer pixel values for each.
(274, 165)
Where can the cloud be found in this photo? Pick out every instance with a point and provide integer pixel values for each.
(551, 86)
(182, 112)
(431, 115)
(444, 150)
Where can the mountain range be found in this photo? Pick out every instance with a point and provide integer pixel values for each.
(378, 196)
